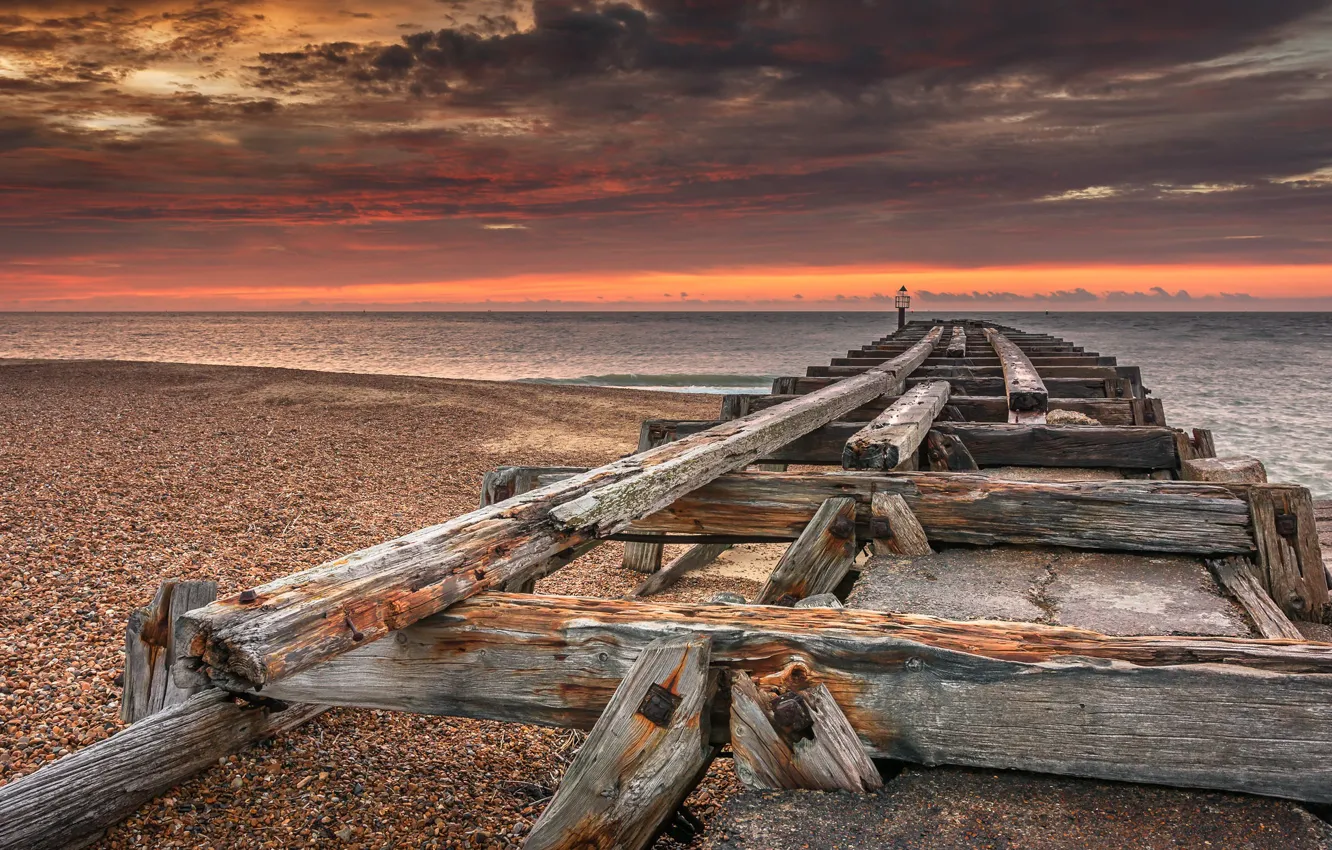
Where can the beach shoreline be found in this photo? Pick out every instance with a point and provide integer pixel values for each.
(115, 475)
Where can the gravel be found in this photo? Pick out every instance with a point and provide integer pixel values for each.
(114, 476)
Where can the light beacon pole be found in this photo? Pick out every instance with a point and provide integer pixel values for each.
(902, 301)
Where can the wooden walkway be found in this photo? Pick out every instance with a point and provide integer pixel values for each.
(998, 555)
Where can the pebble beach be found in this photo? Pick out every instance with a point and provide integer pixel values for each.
(115, 476)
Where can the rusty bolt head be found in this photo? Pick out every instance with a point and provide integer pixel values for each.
(1287, 525)
(791, 717)
(659, 705)
(248, 596)
(880, 529)
(913, 664)
(842, 528)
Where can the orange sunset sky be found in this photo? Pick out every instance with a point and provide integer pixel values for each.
(665, 154)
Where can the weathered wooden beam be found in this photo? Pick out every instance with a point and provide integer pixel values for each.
(1028, 398)
(1243, 469)
(1106, 411)
(960, 372)
(895, 529)
(998, 695)
(996, 444)
(1236, 576)
(695, 558)
(897, 433)
(1061, 387)
(1147, 516)
(819, 558)
(795, 738)
(302, 619)
(642, 758)
(67, 802)
(1290, 564)
(957, 343)
(150, 648)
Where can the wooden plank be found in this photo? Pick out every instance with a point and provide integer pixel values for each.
(996, 695)
(1144, 516)
(302, 619)
(1106, 411)
(1236, 576)
(1093, 446)
(1290, 564)
(67, 802)
(642, 758)
(819, 558)
(697, 557)
(150, 648)
(957, 343)
(897, 433)
(796, 739)
(895, 529)
(1028, 398)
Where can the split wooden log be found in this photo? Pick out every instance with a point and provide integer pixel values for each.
(795, 739)
(897, 433)
(997, 695)
(1028, 398)
(1135, 516)
(150, 648)
(69, 801)
(1245, 470)
(895, 529)
(957, 343)
(1290, 563)
(1236, 576)
(819, 558)
(695, 558)
(947, 453)
(1095, 446)
(643, 757)
(297, 621)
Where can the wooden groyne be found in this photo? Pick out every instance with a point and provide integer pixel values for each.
(966, 450)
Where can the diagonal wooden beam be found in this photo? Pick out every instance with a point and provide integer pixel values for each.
(1027, 396)
(819, 558)
(297, 621)
(897, 433)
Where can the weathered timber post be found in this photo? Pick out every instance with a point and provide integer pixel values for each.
(1290, 564)
(644, 557)
(894, 528)
(792, 734)
(150, 648)
(818, 559)
(643, 756)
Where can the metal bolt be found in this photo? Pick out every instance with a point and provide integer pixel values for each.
(880, 529)
(248, 596)
(1287, 525)
(842, 528)
(914, 664)
(659, 705)
(791, 717)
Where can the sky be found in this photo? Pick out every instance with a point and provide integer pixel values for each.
(665, 154)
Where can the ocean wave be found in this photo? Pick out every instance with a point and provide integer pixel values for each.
(672, 381)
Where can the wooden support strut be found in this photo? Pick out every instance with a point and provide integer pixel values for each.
(1028, 399)
(895, 529)
(643, 757)
(302, 619)
(1236, 576)
(1290, 564)
(897, 433)
(150, 648)
(999, 695)
(819, 558)
(695, 558)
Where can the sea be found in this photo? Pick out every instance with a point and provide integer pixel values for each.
(1261, 381)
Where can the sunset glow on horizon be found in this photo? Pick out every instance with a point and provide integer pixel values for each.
(551, 154)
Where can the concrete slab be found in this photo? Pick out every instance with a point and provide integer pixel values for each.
(1112, 592)
(929, 808)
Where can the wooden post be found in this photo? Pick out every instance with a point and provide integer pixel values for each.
(895, 435)
(793, 735)
(1028, 398)
(299, 620)
(1290, 563)
(67, 802)
(695, 558)
(818, 559)
(1236, 576)
(150, 648)
(895, 529)
(645, 557)
(641, 759)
